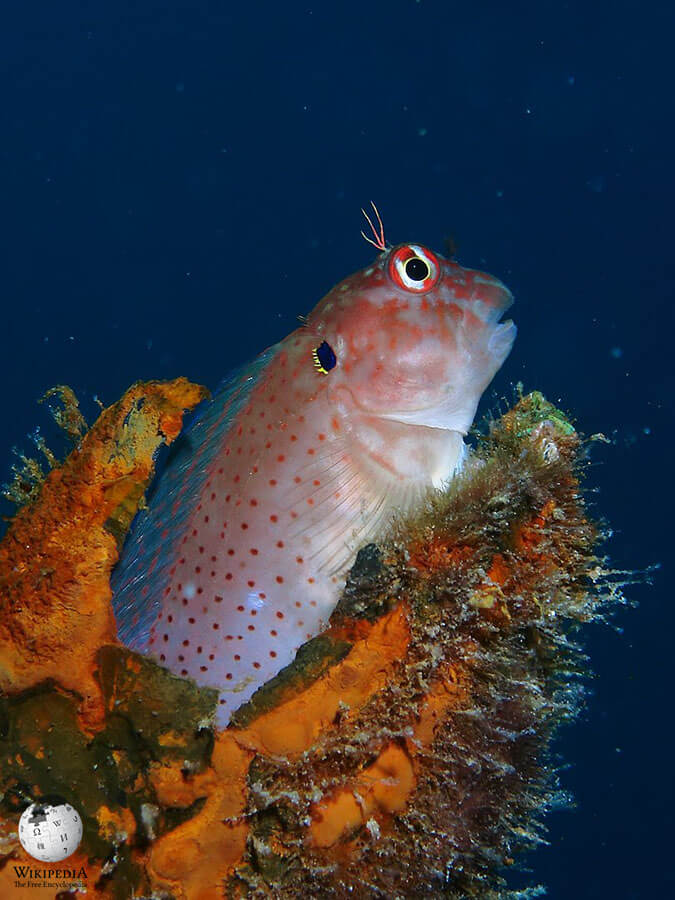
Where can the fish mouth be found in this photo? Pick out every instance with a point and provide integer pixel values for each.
(437, 416)
(446, 414)
(432, 415)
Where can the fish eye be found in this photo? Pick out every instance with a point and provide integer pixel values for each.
(324, 358)
(417, 269)
(414, 268)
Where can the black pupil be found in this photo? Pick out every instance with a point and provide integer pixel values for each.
(326, 356)
(416, 269)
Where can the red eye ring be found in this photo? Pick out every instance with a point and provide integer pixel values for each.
(414, 268)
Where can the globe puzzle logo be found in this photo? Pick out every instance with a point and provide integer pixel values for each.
(50, 832)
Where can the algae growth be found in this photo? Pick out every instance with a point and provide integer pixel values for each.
(405, 752)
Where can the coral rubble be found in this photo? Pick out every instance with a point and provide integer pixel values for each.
(404, 753)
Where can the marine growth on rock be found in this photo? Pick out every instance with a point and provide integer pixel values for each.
(404, 752)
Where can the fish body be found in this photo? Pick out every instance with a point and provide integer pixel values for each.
(301, 459)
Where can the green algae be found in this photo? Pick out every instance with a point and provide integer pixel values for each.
(158, 705)
(532, 410)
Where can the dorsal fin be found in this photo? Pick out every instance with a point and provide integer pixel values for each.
(154, 539)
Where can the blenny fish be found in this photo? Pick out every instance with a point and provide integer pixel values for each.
(300, 459)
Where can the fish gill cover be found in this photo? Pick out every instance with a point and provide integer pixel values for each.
(406, 750)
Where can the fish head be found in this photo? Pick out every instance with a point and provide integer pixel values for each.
(413, 338)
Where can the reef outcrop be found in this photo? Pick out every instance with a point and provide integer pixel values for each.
(404, 753)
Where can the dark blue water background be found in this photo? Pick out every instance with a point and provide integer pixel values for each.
(180, 180)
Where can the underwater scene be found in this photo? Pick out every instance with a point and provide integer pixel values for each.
(336, 461)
